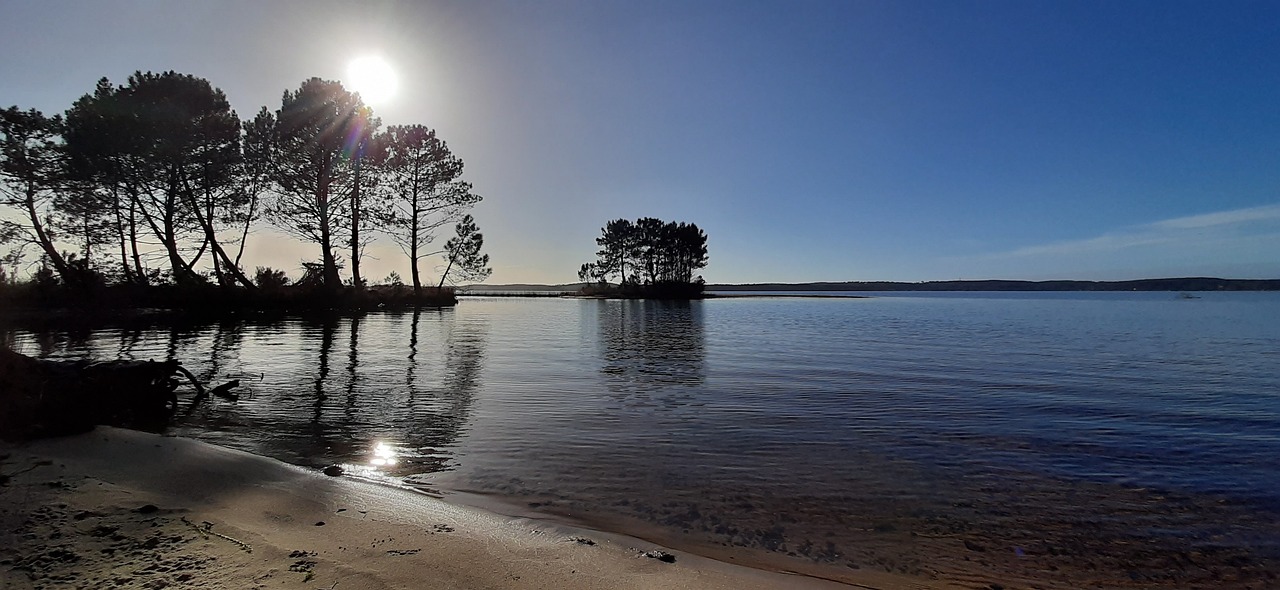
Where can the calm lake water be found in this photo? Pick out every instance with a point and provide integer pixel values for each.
(810, 427)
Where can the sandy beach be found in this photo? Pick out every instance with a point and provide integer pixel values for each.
(122, 509)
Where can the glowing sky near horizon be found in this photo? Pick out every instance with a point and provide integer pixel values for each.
(823, 140)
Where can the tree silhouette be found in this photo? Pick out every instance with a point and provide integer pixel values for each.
(196, 143)
(313, 165)
(162, 167)
(82, 214)
(29, 172)
(423, 190)
(169, 144)
(650, 240)
(100, 145)
(462, 254)
(590, 272)
(663, 256)
(364, 153)
(617, 247)
(259, 150)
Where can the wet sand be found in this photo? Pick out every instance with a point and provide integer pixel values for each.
(121, 509)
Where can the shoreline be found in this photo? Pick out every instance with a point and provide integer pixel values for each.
(128, 508)
(124, 508)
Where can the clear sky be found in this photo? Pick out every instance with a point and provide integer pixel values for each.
(844, 140)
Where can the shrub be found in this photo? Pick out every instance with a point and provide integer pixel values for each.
(269, 279)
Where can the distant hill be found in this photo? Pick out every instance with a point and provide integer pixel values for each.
(1170, 284)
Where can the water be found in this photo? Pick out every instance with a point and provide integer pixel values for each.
(837, 431)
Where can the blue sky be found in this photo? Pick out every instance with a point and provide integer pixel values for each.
(843, 140)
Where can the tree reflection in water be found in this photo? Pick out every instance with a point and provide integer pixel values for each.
(408, 379)
(411, 400)
(320, 440)
(652, 351)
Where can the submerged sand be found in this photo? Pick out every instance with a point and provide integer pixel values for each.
(122, 509)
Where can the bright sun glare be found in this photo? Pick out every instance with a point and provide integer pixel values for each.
(383, 455)
(373, 78)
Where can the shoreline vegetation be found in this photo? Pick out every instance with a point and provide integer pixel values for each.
(146, 194)
(34, 298)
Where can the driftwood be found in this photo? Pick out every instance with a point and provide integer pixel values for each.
(50, 398)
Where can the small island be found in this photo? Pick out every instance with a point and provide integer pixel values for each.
(652, 259)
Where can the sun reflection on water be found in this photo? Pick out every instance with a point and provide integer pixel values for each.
(383, 456)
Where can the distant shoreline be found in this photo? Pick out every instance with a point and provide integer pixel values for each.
(1167, 284)
(811, 295)
(571, 295)
(1162, 284)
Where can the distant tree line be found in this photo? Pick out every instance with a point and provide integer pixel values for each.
(649, 257)
(159, 181)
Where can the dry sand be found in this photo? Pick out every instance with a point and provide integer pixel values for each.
(121, 509)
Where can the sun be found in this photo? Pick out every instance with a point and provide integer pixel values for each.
(373, 78)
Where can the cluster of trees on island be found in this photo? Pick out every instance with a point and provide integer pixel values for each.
(158, 181)
(649, 257)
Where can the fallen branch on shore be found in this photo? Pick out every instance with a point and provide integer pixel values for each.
(50, 398)
(206, 528)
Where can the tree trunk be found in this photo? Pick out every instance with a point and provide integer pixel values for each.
(244, 235)
(355, 226)
(120, 233)
(413, 247)
(167, 233)
(88, 240)
(445, 273)
(206, 224)
(189, 268)
(332, 282)
(415, 213)
(231, 268)
(413, 269)
(133, 240)
(217, 270)
(46, 243)
(219, 254)
(182, 273)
